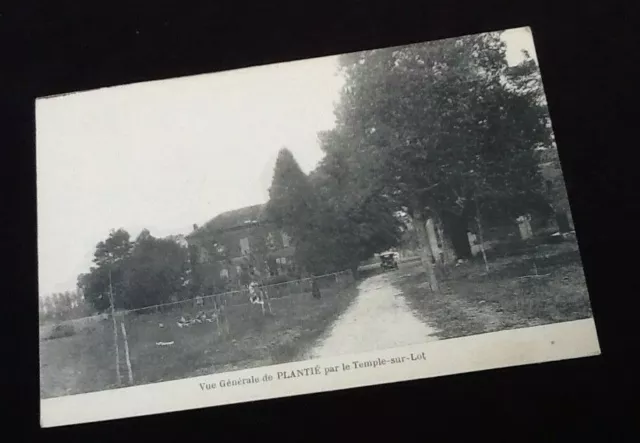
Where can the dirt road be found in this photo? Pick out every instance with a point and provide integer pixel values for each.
(379, 318)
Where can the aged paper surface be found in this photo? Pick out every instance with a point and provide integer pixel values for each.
(302, 227)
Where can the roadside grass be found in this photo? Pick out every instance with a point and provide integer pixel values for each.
(473, 301)
(73, 364)
(85, 362)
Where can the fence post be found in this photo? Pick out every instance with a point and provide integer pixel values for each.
(267, 300)
(126, 350)
(115, 342)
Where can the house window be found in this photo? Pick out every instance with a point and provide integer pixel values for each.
(244, 246)
(281, 261)
(286, 240)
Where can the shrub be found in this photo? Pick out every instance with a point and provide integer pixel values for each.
(62, 330)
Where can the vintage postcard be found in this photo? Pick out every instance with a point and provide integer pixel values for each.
(344, 221)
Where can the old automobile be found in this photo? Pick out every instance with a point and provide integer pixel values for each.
(388, 261)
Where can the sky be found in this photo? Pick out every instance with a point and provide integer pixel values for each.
(164, 155)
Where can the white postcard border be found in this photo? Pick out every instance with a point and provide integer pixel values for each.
(501, 349)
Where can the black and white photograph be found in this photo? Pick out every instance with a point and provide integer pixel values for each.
(300, 223)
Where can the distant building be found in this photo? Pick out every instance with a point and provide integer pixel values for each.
(243, 244)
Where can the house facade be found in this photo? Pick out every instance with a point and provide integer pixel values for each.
(242, 245)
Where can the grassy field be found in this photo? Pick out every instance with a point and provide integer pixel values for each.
(85, 362)
(473, 301)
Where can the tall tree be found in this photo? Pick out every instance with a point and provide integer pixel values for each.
(352, 223)
(154, 272)
(435, 127)
(556, 186)
(108, 274)
(146, 272)
(195, 278)
(116, 248)
(41, 307)
(333, 225)
(58, 300)
(67, 301)
(50, 308)
(290, 195)
(291, 203)
(95, 285)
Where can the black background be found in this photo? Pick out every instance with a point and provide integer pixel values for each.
(585, 52)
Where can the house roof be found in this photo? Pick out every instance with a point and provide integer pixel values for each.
(232, 219)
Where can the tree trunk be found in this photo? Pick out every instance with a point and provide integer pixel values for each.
(563, 222)
(456, 227)
(448, 253)
(354, 271)
(435, 246)
(425, 249)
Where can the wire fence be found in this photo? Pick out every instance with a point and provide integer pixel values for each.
(222, 331)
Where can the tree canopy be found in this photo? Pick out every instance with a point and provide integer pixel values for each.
(146, 272)
(445, 130)
(331, 229)
(433, 124)
(291, 197)
(441, 129)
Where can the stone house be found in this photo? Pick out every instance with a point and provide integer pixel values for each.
(242, 244)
